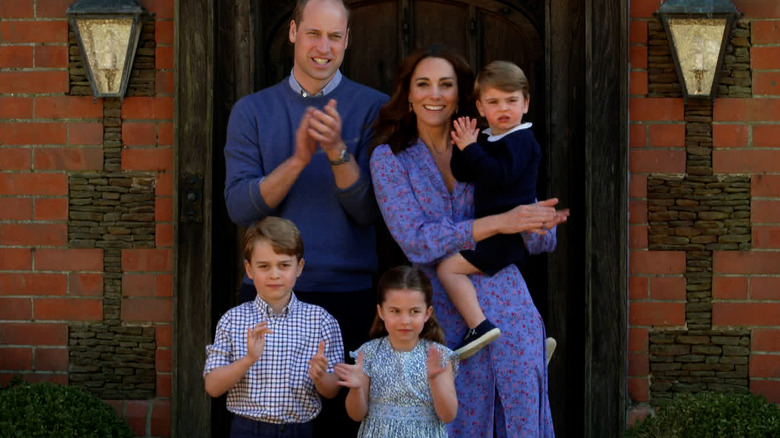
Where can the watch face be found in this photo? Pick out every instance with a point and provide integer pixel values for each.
(343, 158)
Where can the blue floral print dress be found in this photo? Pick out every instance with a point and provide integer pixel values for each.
(400, 404)
(502, 388)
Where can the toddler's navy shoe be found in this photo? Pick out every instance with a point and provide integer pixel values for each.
(476, 338)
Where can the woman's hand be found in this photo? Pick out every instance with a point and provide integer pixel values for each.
(537, 218)
(559, 216)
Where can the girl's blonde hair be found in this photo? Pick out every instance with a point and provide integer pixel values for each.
(407, 277)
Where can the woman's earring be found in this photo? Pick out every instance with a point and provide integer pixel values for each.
(410, 107)
(456, 109)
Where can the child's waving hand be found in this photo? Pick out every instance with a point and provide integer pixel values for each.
(351, 376)
(318, 364)
(325, 383)
(442, 382)
(435, 367)
(465, 132)
(255, 339)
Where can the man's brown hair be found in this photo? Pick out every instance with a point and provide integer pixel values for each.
(300, 5)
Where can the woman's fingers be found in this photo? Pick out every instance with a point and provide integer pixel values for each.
(548, 202)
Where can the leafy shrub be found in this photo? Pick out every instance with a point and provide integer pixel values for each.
(707, 415)
(48, 410)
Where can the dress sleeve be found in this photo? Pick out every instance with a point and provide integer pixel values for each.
(369, 354)
(450, 356)
(537, 243)
(425, 237)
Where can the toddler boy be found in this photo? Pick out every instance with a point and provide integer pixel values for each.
(503, 165)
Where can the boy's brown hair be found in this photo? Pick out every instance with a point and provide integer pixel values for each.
(281, 233)
(502, 75)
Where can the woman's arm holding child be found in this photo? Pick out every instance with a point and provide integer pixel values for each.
(358, 383)
(220, 380)
(326, 383)
(442, 382)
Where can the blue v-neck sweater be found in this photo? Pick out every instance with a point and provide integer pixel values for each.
(336, 224)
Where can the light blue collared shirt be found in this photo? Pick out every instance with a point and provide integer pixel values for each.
(330, 86)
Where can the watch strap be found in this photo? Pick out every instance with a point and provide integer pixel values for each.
(343, 158)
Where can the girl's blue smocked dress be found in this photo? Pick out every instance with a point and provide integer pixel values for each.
(400, 404)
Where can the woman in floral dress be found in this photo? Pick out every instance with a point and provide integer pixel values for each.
(503, 388)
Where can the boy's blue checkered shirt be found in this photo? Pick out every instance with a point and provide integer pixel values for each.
(277, 388)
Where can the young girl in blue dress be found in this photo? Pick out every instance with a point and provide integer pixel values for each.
(402, 384)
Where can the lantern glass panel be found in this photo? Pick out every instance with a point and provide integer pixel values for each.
(698, 43)
(106, 41)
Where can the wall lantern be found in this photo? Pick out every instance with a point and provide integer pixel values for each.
(698, 31)
(107, 32)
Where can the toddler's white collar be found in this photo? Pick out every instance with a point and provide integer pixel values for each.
(498, 137)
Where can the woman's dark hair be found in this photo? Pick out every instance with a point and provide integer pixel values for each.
(396, 125)
(407, 277)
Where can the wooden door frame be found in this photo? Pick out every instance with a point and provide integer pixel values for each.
(587, 74)
(193, 115)
(587, 71)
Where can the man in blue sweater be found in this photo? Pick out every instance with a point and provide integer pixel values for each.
(300, 150)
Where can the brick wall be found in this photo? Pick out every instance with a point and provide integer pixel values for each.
(86, 215)
(704, 227)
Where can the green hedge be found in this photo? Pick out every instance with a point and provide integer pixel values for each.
(48, 410)
(708, 415)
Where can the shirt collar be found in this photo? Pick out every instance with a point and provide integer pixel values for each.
(498, 137)
(330, 86)
(266, 310)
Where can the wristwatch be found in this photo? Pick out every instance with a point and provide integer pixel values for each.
(343, 158)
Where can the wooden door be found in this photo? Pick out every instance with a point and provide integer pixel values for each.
(384, 32)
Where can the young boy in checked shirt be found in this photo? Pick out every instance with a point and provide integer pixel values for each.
(274, 356)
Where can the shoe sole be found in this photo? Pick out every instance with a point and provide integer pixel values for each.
(472, 347)
(549, 345)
